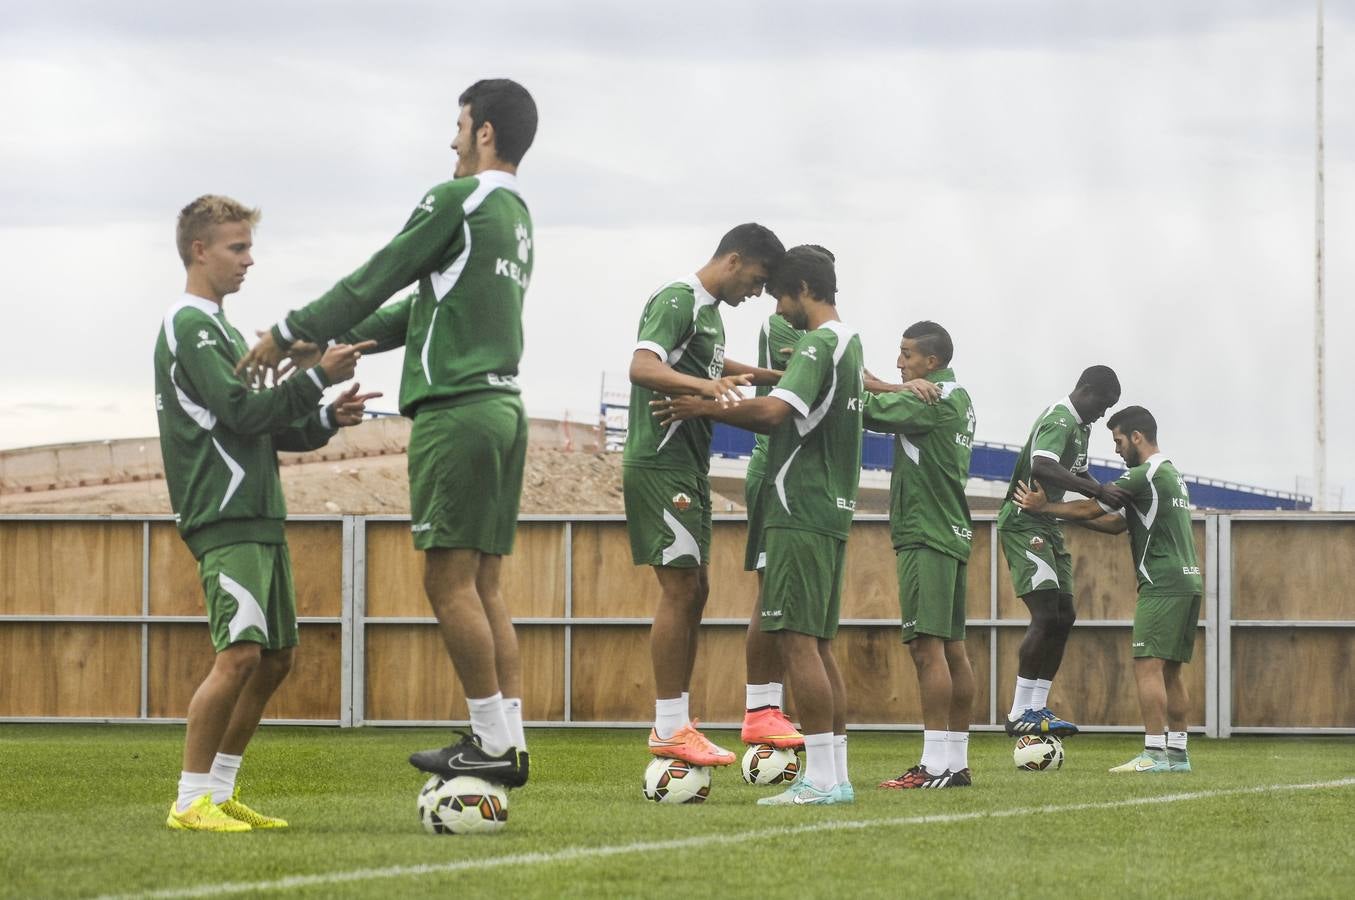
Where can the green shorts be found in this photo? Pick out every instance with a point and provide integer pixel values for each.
(802, 586)
(249, 595)
(1037, 560)
(667, 516)
(465, 474)
(931, 594)
(1164, 626)
(755, 556)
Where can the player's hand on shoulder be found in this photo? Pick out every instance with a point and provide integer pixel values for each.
(1030, 497)
(926, 391)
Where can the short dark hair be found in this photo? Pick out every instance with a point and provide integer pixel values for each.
(1132, 419)
(932, 340)
(807, 264)
(507, 106)
(1102, 380)
(753, 241)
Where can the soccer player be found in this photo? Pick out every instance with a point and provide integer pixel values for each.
(764, 722)
(931, 533)
(813, 417)
(468, 244)
(665, 470)
(1055, 455)
(1157, 517)
(219, 441)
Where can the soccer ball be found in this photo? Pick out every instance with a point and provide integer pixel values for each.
(676, 781)
(462, 805)
(765, 764)
(1035, 753)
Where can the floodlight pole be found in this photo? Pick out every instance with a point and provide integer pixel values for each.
(1319, 310)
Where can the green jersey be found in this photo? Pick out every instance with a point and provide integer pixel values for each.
(814, 455)
(1160, 533)
(681, 325)
(468, 245)
(1060, 435)
(218, 438)
(927, 506)
(776, 335)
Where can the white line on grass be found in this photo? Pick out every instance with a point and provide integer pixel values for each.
(576, 853)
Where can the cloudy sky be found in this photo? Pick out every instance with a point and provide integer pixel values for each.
(1059, 183)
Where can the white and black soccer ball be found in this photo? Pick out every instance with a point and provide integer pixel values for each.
(676, 781)
(462, 805)
(765, 764)
(1038, 752)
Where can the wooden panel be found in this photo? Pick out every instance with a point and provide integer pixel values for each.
(870, 587)
(410, 677)
(606, 582)
(733, 592)
(882, 680)
(1104, 584)
(533, 579)
(1293, 570)
(70, 568)
(316, 549)
(70, 669)
(180, 655)
(1294, 676)
(174, 586)
(1095, 684)
(613, 679)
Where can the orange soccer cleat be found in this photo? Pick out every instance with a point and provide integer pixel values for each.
(769, 725)
(690, 745)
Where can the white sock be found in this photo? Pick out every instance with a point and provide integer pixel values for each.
(669, 716)
(490, 725)
(1155, 741)
(1021, 701)
(957, 750)
(224, 770)
(758, 696)
(774, 693)
(1039, 698)
(820, 765)
(934, 752)
(193, 785)
(512, 711)
(1176, 740)
(840, 758)
(686, 707)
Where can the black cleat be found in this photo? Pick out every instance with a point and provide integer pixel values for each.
(962, 778)
(467, 757)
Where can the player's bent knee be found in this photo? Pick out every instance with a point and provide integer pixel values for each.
(239, 661)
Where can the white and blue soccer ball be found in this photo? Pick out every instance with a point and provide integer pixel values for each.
(765, 764)
(676, 781)
(1038, 752)
(462, 805)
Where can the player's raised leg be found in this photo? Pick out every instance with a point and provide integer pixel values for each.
(764, 720)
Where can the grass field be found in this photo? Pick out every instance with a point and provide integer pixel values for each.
(82, 813)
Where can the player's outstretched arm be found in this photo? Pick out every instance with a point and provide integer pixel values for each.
(758, 376)
(1047, 471)
(1033, 499)
(648, 371)
(316, 429)
(760, 414)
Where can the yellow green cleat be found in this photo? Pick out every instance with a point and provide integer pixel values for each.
(242, 813)
(203, 815)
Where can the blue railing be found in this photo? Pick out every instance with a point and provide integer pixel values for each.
(996, 462)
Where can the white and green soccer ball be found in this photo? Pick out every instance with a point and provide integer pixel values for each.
(462, 805)
(676, 781)
(1038, 752)
(765, 764)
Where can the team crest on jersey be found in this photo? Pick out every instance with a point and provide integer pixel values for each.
(524, 242)
(717, 362)
(205, 339)
(427, 204)
(682, 502)
(1036, 543)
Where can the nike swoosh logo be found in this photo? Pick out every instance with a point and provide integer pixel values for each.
(464, 763)
(1143, 766)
